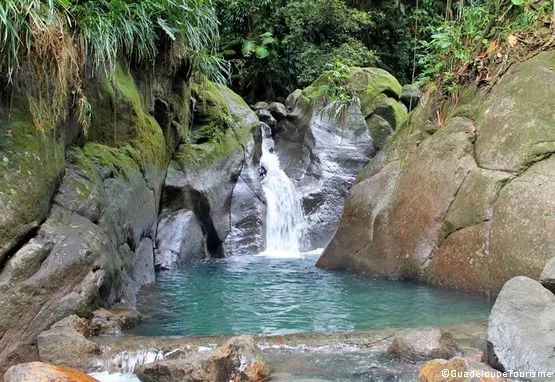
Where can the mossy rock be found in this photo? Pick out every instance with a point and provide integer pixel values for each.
(31, 164)
(223, 124)
(368, 83)
(119, 119)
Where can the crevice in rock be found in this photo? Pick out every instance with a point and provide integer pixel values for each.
(201, 208)
(24, 240)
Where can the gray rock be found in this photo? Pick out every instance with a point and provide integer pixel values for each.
(266, 117)
(410, 96)
(547, 278)
(238, 360)
(278, 110)
(291, 101)
(69, 267)
(114, 321)
(260, 105)
(179, 240)
(379, 129)
(423, 344)
(64, 345)
(521, 330)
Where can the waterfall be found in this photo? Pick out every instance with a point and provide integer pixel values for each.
(284, 212)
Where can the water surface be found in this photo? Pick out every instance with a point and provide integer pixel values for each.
(282, 295)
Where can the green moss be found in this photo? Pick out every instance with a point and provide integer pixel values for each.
(120, 161)
(119, 119)
(31, 163)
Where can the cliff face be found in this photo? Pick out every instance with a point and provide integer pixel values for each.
(466, 201)
(80, 205)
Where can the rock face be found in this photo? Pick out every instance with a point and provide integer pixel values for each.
(423, 344)
(460, 370)
(466, 201)
(521, 332)
(82, 217)
(64, 344)
(38, 371)
(323, 155)
(212, 202)
(547, 278)
(238, 360)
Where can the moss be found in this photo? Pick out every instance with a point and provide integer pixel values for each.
(31, 163)
(119, 119)
(120, 161)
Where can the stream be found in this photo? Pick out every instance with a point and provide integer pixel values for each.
(281, 293)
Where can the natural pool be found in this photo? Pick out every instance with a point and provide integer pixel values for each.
(273, 294)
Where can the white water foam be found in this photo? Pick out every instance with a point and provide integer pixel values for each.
(284, 211)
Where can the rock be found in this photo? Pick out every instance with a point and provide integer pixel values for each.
(260, 105)
(323, 155)
(89, 244)
(465, 202)
(423, 344)
(521, 331)
(114, 321)
(410, 96)
(179, 240)
(266, 117)
(38, 371)
(547, 278)
(278, 110)
(238, 360)
(64, 345)
(458, 370)
(218, 182)
(73, 264)
(291, 100)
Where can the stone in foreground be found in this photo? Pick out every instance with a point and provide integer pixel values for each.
(521, 332)
(238, 360)
(458, 370)
(547, 278)
(65, 344)
(423, 344)
(38, 371)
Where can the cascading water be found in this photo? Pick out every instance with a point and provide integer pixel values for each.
(284, 212)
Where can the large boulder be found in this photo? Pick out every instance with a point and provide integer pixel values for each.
(423, 344)
(460, 196)
(212, 198)
(521, 331)
(238, 360)
(547, 278)
(323, 153)
(38, 371)
(91, 242)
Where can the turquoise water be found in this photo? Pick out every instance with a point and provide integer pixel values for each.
(269, 295)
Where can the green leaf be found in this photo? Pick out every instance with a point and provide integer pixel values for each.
(262, 52)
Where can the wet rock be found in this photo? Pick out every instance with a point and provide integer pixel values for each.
(278, 110)
(547, 278)
(179, 240)
(458, 370)
(410, 96)
(38, 371)
(260, 105)
(114, 321)
(266, 117)
(521, 331)
(423, 344)
(64, 345)
(218, 182)
(323, 153)
(238, 360)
